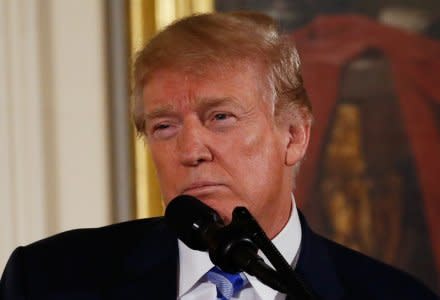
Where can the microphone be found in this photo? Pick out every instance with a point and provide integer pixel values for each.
(230, 247)
(193, 221)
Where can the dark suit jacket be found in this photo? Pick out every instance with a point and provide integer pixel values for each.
(139, 260)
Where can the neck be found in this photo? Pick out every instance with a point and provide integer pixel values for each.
(279, 220)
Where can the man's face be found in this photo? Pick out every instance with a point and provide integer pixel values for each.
(214, 137)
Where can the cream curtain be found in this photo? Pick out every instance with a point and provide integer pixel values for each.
(145, 18)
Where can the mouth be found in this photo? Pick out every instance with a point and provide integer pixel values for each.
(201, 188)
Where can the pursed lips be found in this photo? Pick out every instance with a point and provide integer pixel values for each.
(200, 186)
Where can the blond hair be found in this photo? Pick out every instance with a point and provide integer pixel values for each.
(200, 43)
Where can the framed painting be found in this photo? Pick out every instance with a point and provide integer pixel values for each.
(369, 180)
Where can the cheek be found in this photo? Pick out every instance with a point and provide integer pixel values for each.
(260, 158)
(164, 162)
(261, 148)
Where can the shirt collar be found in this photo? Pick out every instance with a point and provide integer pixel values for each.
(193, 264)
(288, 243)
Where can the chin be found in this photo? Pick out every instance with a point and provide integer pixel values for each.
(218, 205)
(227, 218)
(225, 213)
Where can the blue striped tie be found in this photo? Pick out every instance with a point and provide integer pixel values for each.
(227, 284)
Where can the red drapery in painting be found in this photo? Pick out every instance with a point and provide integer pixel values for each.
(329, 43)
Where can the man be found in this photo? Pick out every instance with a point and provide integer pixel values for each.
(220, 101)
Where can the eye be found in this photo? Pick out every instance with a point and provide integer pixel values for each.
(221, 120)
(221, 116)
(161, 127)
(163, 130)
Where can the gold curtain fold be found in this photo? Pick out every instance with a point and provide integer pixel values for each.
(146, 17)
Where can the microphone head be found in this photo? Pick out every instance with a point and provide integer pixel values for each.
(190, 219)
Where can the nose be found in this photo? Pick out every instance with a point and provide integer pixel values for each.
(192, 143)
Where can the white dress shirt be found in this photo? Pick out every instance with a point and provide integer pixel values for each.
(193, 265)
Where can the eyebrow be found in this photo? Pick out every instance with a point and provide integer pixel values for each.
(159, 112)
(207, 103)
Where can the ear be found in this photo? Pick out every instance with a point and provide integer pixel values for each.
(298, 140)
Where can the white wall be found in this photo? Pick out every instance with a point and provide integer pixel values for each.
(54, 148)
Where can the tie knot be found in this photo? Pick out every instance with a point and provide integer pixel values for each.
(227, 284)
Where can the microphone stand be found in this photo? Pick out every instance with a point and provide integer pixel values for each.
(294, 286)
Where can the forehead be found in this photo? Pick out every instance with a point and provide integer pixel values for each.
(170, 89)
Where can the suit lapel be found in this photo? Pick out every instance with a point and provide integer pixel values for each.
(316, 267)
